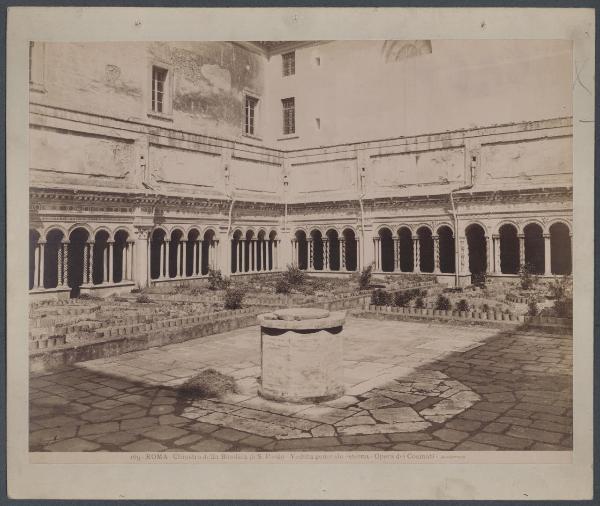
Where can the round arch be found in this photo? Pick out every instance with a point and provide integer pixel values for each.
(534, 247)
(406, 245)
(301, 255)
(426, 260)
(318, 256)
(447, 248)
(54, 228)
(386, 249)
(512, 223)
(476, 243)
(509, 248)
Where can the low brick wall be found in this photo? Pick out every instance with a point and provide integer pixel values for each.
(114, 341)
(560, 325)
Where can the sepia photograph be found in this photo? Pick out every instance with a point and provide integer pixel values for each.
(355, 249)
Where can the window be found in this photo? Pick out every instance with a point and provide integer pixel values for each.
(250, 115)
(289, 63)
(289, 116)
(159, 85)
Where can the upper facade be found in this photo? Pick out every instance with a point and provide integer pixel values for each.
(300, 121)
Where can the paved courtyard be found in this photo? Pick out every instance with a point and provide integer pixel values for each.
(409, 386)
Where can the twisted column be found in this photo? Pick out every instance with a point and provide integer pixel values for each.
(325, 243)
(416, 255)
(436, 254)
(65, 263)
(90, 273)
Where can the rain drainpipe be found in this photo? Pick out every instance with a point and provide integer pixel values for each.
(230, 211)
(456, 242)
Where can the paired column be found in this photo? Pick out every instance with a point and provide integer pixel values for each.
(325, 243)
(464, 256)
(547, 260)
(198, 258)
(521, 249)
(110, 259)
(488, 254)
(243, 267)
(497, 264)
(295, 261)
(130, 247)
(167, 246)
(397, 254)
(38, 272)
(184, 259)
(416, 254)
(377, 252)
(215, 253)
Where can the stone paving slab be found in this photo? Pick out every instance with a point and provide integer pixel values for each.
(409, 386)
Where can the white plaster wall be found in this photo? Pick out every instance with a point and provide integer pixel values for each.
(360, 94)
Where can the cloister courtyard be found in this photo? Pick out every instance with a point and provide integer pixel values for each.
(408, 386)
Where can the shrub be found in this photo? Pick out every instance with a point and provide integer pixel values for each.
(282, 286)
(294, 276)
(380, 298)
(216, 281)
(143, 299)
(526, 277)
(563, 308)
(419, 303)
(462, 305)
(233, 298)
(479, 279)
(207, 384)
(559, 287)
(485, 308)
(403, 298)
(532, 308)
(364, 280)
(443, 303)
